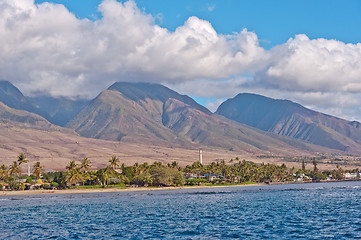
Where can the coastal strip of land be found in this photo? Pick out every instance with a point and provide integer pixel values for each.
(114, 190)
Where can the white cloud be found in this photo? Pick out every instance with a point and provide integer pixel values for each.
(45, 49)
(45, 43)
(322, 74)
(211, 7)
(213, 105)
(314, 65)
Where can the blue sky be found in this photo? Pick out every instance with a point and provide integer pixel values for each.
(306, 51)
(273, 21)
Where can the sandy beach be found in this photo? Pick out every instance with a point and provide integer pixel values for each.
(108, 190)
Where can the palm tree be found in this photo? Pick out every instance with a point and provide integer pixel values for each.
(104, 175)
(84, 167)
(137, 169)
(72, 165)
(145, 167)
(157, 164)
(109, 171)
(4, 173)
(22, 159)
(303, 165)
(14, 169)
(113, 162)
(74, 176)
(174, 164)
(315, 169)
(38, 170)
(85, 164)
(73, 173)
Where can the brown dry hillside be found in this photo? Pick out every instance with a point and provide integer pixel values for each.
(55, 149)
(141, 123)
(54, 146)
(151, 112)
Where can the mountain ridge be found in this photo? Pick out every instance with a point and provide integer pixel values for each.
(141, 90)
(152, 113)
(291, 119)
(132, 111)
(13, 97)
(60, 110)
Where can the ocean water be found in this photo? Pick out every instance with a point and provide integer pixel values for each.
(292, 211)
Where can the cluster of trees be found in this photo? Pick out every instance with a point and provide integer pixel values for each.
(157, 174)
(336, 174)
(245, 171)
(144, 174)
(12, 174)
(241, 171)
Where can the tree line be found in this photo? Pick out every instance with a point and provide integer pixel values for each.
(159, 174)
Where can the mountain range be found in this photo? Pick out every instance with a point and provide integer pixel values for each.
(154, 115)
(287, 118)
(139, 112)
(13, 98)
(59, 110)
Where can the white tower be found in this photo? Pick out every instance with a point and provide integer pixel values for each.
(200, 156)
(28, 169)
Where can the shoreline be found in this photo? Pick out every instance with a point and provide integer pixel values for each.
(111, 190)
(139, 189)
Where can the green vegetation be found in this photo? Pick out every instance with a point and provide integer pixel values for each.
(38, 170)
(22, 159)
(120, 185)
(196, 181)
(324, 159)
(234, 172)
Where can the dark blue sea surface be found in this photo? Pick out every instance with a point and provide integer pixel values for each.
(297, 211)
